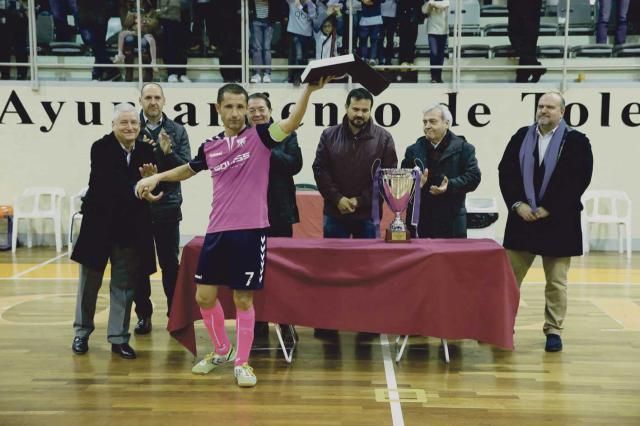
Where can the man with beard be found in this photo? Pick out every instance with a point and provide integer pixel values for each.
(543, 173)
(342, 168)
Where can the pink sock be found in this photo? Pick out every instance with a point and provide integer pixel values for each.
(245, 321)
(214, 321)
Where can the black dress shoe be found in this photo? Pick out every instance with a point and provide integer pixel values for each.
(143, 326)
(124, 350)
(80, 345)
(537, 73)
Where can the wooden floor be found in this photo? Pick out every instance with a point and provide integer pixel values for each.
(595, 380)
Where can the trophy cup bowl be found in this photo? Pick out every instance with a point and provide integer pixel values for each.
(397, 187)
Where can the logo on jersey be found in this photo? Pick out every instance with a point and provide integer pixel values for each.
(216, 154)
(239, 141)
(238, 160)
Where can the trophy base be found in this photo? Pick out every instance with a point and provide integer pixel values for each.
(397, 236)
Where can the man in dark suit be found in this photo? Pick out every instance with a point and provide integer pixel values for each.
(171, 149)
(544, 171)
(116, 227)
(451, 170)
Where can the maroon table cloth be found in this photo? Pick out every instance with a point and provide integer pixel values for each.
(453, 288)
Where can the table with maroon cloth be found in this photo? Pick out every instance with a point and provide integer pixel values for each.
(453, 289)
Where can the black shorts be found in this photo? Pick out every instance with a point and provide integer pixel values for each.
(233, 258)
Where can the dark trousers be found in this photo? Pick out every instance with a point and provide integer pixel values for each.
(125, 272)
(385, 54)
(437, 46)
(408, 32)
(523, 29)
(174, 45)
(13, 33)
(345, 227)
(167, 239)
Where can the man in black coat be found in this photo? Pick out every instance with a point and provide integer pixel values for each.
(116, 227)
(286, 162)
(543, 173)
(450, 171)
(171, 149)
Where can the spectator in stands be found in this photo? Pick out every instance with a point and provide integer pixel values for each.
(14, 27)
(437, 12)
(203, 13)
(94, 17)
(285, 163)
(261, 35)
(149, 28)
(369, 29)
(523, 29)
(174, 40)
(327, 38)
(229, 21)
(300, 29)
(604, 13)
(409, 16)
(545, 169)
(389, 24)
(450, 172)
(60, 9)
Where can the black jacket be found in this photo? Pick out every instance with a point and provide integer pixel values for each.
(168, 208)
(111, 212)
(445, 215)
(558, 235)
(286, 162)
(342, 167)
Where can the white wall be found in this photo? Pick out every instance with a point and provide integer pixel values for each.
(58, 154)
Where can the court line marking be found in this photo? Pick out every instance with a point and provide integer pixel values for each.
(392, 386)
(33, 268)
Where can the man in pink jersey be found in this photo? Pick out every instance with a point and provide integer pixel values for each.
(234, 249)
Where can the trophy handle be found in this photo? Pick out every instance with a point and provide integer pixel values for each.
(374, 168)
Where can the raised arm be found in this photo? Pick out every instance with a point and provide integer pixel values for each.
(291, 123)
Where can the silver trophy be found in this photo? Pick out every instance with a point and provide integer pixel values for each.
(398, 187)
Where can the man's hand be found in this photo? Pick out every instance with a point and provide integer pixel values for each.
(354, 203)
(165, 142)
(312, 87)
(345, 206)
(423, 178)
(148, 169)
(147, 195)
(525, 212)
(437, 190)
(147, 184)
(541, 213)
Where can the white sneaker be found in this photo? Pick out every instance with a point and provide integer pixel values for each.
(212, 360)
(173, 78)
(266, 78)
(185, 79)
(255, 78)
(245, 378)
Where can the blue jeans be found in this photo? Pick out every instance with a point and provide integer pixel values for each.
(365, 33)
(385, 54)
(345, 227)
(437, 46)
(261, 33)
(298, 54)
(604, 13)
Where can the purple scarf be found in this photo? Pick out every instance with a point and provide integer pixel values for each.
(527, 160)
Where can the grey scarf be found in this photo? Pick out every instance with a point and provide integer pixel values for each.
(551, 156)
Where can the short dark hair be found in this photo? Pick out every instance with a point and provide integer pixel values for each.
(261, 95)
(358, 94)
(233, 88)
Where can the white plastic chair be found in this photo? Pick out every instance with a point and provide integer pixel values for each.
(482, 205)
(75, 203)
(38, 203)
(607, 207)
